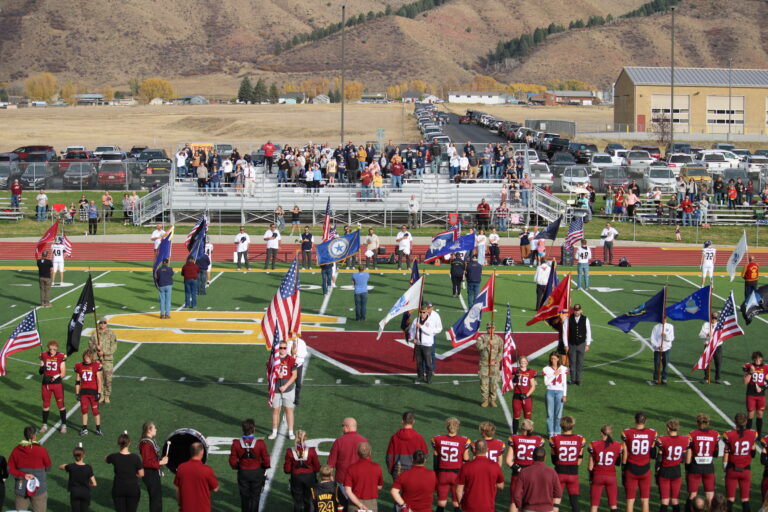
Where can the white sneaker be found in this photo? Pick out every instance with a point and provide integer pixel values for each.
(63, 429)
(44, 428)
(291, 436)
(272, 436)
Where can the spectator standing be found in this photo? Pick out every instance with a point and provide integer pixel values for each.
(28, 461)
(194, 482)
(203, 263)
(583, 255)
(156, 237)
(751, 277)
(502, 216)
(280, 218)
(44, 266)
(478, 481)
(328, 495)
(422, 334)
(371, 249)
(152, 463)
(344, 449)
(416, 487)
(284, 166)
(128, 468)
(242, 241)
(579, 340)
(413, 211)
(396, 171)
(181, 164)
(248, 177)
(378, 185)
(41, 205)
(16, 190)
(364, 480)
(307, 241)
(190, 272)
(297, 347)
(401, 446)
(474, 273)
(495, 250)
(608, 235)
(538, 487)
(404, 241)
(248, 455)
(302, 463)
(556, 381)
(525, 247)
(457, 274)
(483, 214)
(272, 238)
(269, 155)
(127, 210)
(295, 219)
(107, 204)
(481, 244)
(79, 482)
(360, 281)
(93, 218)
(662, 337)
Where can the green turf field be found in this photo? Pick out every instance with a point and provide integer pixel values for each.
(212, 386)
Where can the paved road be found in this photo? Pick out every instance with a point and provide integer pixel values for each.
(461, 133)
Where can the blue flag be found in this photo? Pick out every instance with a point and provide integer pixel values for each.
(163, 252)
(550, 232)
(195, 240)
(466, 328)
(439, 244)
(696, 306)
(651, 310)
(338, 249)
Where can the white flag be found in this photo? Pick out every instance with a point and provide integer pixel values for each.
(738, 254)
(408, 302)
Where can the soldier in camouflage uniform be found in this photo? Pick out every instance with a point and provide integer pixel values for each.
(491, 348)
(104, 343)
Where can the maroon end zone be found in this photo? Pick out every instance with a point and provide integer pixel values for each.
(362, 353)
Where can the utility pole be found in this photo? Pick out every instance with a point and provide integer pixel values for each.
(343, 99)
(672, 89)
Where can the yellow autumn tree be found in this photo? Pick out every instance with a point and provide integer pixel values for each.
(67, 93)
(289, 87)
(394, 92)
(151, 88)
(526, 88)
(108, 93)
(314, 86)
(41, 87)
(353, 90)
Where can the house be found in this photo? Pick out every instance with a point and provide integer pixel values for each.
(156, 101)
(291, 98)
(190, 100)
(321, 98)
(422, 97)
(483, 97)
(551, 98)
(89, 99)
(373, 97)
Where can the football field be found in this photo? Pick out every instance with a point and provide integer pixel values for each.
(205, 368)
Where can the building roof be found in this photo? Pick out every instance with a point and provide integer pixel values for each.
(89, 96)
(575, 94)
(705, 77)
(473, 93)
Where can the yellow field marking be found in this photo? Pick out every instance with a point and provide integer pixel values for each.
(213, 327)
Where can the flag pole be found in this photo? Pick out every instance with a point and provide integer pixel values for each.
(490, 342)
(663, 328)
(709, 364)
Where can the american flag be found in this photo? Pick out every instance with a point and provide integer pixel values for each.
(272, 362)
(328, 230)
(507, 371)
(202, 222)
(727, 326)
(67, 243)
(285, 309)
(575, 232)
(23, 337)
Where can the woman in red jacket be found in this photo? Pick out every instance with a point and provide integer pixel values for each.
(302, 464)
(152, 462)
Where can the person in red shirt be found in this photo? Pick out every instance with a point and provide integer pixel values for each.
(249, 456)
(344, 449)
(604, 455)
(524, 380)
(538, 489)
(285, 390)
(16, 191)
(88, 388)
(755, 377)
(302, 463)
(402, 444)
(364, 481)
(567, 454)
(737, 460)
(189, 271)
(639, 449)
(194, 482)
(478, 481)
(520, 453)
(670, 452)
(496, 447)
(152, 462)
(30, 460)
(53, 368)
(751, 276)
(483, 214)
(451, 451)
(269, 155)
(416, 487)
(702, 449)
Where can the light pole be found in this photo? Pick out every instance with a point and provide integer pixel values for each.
(730, 110)
(672, 89)
(343, 25)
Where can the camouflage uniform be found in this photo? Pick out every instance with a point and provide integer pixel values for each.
(108, 346)
(489, 380)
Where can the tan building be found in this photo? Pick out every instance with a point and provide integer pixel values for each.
(702, 100)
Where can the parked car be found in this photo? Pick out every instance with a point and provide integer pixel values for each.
(600, 161)
(723, 146)
(464, 120)
(612, 146)
(105, 149)
(714, 162)
(112, 175)
(654, 151)
(560, 161)
(762, 152)
(556, 145)
(574, 176)
(25, 151)
(659, 176)
(677, 160)
(696, 173)
(617, 155)
(9, 157)
(149, 154)
(615, 176)
(157, 172)
(754, 163)
(741, 153)
(36, 176)
(541, 175)
(80, 175)
(638, 158)
(77, 156)
(582, 152)
(135, 151)
(543, 142)
(677, 147)
(111, 157)
(72, 148)
(9, 171)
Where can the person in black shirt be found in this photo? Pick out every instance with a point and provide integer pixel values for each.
(327, 495)
(307, 241)
(457, 274)
(81, 479)
(44, 266)
(3, 476)
(128, 469)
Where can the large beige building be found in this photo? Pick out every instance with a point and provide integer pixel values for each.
(703, 103)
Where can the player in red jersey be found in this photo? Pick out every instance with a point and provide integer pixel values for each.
(53, 368)
(524, 380)
(604, 455)
(670, 451)
(639, 449)
(702, 449)
(756, 380)
(737, 460)
(567, 454)
(520, 453)
(88, 388)
(495, 446)
(451, 451)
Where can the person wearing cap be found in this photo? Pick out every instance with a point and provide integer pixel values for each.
(751, 276)
(242, 241)
(404, 240)
(28, 464)
(583, 255)
(491, 348)
(708, 254)
(422, 334)
(474, 273)
(717, 357)
(103, 343)
(579, 337)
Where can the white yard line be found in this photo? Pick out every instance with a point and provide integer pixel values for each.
(671, 366)
(463, 304)
(721, 298)
(505, 408)
(326, 300)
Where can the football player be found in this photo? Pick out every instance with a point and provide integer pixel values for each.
(707, 262)
(520, 453)
(524, 380)
(639, 449)
(737, 459)
(450, 452)
(755, 374)
(88, 388)
(495, 446)
(699, 468)
(53, 368)
(670, 450)
(58, 252)
(604, 455)
(567, 454)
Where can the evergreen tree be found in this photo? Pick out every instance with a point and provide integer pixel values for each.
(245, 92)
(260, 93)
(3, 94)
(273, 94)
(278, 48)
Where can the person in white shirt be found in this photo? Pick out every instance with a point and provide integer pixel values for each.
(708, 254)
(493, 240)
(661, 346)
(464, 166)
(157, 236)
(608, 235)
(717, 357)
(556, 381)
(578, 337)
(57, 250)
(208, 252)
(371, 249)
(272, 237)
(298, 349)
(181, 164)
(422, 334)
(242, 241)
(583, 255)
(481, 242)
(249, 174)
(404, 241)
(41, 205)
(413, 211)
(541, 277)
(226, 169)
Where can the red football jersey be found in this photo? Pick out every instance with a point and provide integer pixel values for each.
(672, 450)
(52, 363)
(638, 445)
(605, 457)
(759, 375)
(450, 451)
(523, 380)
(284, 369)
(523, 447)
(496, 449)
(568, 448)
(703, 445)
(740, 448)
(87, 373)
